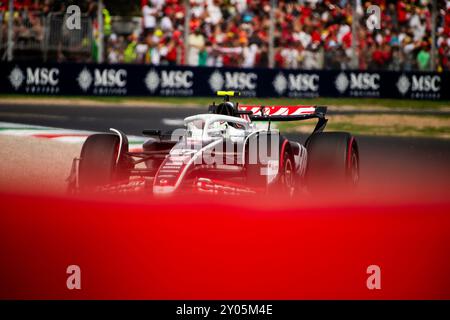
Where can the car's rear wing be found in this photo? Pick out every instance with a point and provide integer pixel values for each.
(281, 113)
(284, 113)
(269, 113)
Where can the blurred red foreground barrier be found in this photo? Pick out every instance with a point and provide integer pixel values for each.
(199, 249)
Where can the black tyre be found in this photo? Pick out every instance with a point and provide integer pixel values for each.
(333, 162)
(285, 181)
(253, 165)
(98, 161)
(287, 174)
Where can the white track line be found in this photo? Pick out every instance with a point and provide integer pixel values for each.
(173, 121)
(58, 134)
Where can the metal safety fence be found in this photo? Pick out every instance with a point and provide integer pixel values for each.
(68, 44)
(46, 37)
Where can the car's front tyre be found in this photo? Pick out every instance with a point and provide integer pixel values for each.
(100, 163)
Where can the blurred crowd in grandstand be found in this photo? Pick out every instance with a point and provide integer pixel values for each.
(308, 34)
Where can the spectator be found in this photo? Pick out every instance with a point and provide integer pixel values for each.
(114, 52)
(203, 57)
(313, 57)
(196, 42)
(423, 58)
(130, 54)
(408, 53)
(249, 55)
(172, 54)
(149, 18)
(290, 55)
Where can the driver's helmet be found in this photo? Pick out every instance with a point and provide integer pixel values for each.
(225, 108)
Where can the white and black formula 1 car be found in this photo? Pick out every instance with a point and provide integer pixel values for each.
(232, 149)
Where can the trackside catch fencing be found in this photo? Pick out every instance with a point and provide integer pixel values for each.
(45, 38)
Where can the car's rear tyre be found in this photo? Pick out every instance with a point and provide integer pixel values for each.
(333, 162)
(98, 161)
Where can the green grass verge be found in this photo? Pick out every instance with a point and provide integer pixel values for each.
(396, 130)
(204, 101)
(372, 130)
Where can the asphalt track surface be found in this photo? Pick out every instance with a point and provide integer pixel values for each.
(389, 161)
